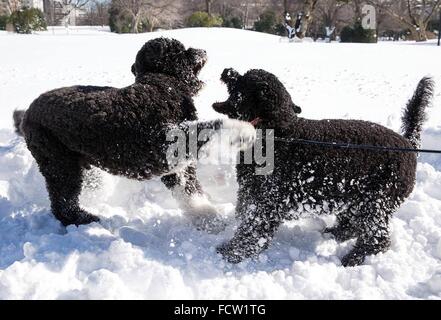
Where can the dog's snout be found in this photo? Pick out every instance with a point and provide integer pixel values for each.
(221, 107)
(197, 52)
(218, 107)
(198, 57)
(202, 55)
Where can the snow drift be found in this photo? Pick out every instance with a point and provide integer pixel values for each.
(144, 246)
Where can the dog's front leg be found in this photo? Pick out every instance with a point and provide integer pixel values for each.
(253, 235)
(188, 192)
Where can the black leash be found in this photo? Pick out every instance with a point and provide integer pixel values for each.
(354, 146)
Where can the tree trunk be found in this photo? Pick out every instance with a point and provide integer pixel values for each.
(358, 11)
(152, 24)
(308, 8)
(208, 3)
(419, 33)
(285, 6)
(135, 21)
(245, 17)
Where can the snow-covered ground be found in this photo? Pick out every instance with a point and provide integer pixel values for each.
(144, 246)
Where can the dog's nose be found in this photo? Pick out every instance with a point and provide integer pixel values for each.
(296, 108)
(223, 107)
(203, 53)
(219, 107)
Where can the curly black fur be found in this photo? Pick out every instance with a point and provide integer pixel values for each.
(414, 114)
(363, 188)
(18, 116)
(122, 131)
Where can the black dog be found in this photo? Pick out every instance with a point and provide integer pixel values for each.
(362, 187)
(123, 131)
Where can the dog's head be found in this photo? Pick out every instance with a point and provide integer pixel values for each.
(169, 56)
(256, 94)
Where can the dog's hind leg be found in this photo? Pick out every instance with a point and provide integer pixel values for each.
(187, 190)
(343, 230)
(373, 232)
(63, 173)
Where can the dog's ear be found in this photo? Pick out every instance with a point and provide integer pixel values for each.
(133, 70)
(229, 77)
(158, 55)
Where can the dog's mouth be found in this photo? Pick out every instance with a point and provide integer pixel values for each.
(219, 107)
(226, 108)
(201, 60)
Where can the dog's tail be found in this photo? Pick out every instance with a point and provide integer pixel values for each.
(18, 116)
(415, 112)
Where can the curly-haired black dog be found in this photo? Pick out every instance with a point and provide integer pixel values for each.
(362, 187)
(123, 131)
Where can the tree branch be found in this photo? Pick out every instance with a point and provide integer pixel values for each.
(435, 6)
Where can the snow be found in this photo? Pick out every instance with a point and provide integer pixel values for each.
(145, 247)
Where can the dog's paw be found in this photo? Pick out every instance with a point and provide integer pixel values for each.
(87, 218)
(213, 224)
(242, 134)
(339, 234)
(78, 217)
(352, 259)
(203, 214)
(229, 253)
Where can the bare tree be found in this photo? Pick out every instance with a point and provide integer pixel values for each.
(12, 5)
(76, 3)
(70, 5)
(144, 9)
(412, 14)
(247, 10)
(308, 9)
(59, 10)
(330, 13)
(98, 13)
(358, 8)
(208, 6)
(286, 5)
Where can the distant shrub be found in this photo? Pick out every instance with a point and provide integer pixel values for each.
(203, 19)
(3, 22)
(144, 25)
(267, 22)
(280, 30)
(232, 22)
(393, 35)
(119, 21)
(27, 20)
(357, 33)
